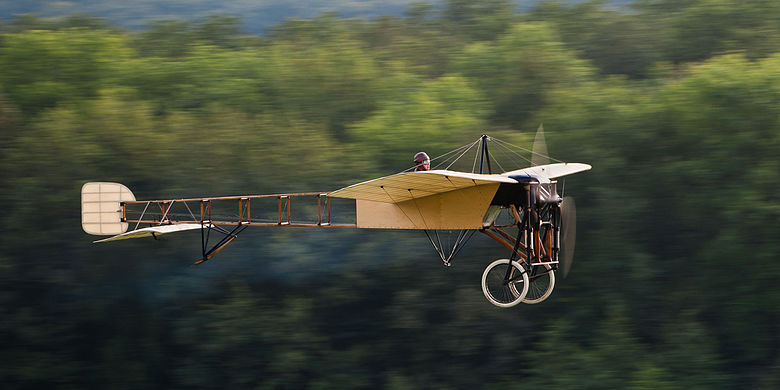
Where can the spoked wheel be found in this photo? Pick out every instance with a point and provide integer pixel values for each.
(501, 291)
(541, 283)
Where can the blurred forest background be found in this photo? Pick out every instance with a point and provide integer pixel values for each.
(675, 103)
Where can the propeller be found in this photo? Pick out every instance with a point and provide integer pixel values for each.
(539, 155)
(568, 232)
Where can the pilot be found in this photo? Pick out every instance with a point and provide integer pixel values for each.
(422, 162)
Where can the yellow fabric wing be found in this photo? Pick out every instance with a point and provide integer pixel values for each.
(414, 185)
(423, 200)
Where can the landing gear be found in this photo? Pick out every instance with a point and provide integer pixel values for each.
(522, 285)
(505, 285)
(541, 283)
(528, 276)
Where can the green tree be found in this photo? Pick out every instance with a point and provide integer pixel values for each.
(517, 71)
(40, 69)
(438, 111)
(674, 282)
(481, 21)
(696, 30)
(615, 41)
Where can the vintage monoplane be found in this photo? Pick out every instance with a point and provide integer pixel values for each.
(436, 201)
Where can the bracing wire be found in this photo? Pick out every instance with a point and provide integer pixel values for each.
(505, 150)
(474, 166)
(396, 204)
(461, 155)
(142, 215)
(453, 156)
(504, 157)
(165, 216)
(512, 152)
(499, 165)
(526, 150)
(454, 151)
(188, 209)
(451, 152)
(418, 210)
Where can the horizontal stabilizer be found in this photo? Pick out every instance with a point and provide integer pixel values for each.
(154, 231)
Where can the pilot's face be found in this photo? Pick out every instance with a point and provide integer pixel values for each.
(424, 165)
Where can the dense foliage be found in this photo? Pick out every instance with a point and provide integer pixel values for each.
(676, 104)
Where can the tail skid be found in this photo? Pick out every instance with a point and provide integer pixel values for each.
(205, 232)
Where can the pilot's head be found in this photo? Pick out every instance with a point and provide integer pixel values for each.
(422, 162)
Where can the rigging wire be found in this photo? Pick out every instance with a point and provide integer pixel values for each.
(164, 217)
(142, 215)
(462, 150)
(474, 166)
(530, 151)
(461, 155)
(504, 146)
(511, 152)
(188, 209)
(499, 164)
(462, 236)
(453, 156)
(440, 248)
(396, 204)
(512, 156)
(456, 150)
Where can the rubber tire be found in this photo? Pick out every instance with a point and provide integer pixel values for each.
(537, 291)
(510, 290)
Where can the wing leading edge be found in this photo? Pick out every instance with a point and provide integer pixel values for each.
(406, 186)
(544, 173)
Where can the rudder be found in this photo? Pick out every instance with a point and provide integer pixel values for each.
(101, 210)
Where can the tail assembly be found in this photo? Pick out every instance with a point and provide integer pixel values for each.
(101, 210)
(103, 214)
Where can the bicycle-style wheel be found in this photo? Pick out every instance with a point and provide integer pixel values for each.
(541, 283)
(501, 291)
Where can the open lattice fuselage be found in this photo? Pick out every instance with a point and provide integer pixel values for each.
(312, 209)
(432, 201)
(462, 207)
(476, 207)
